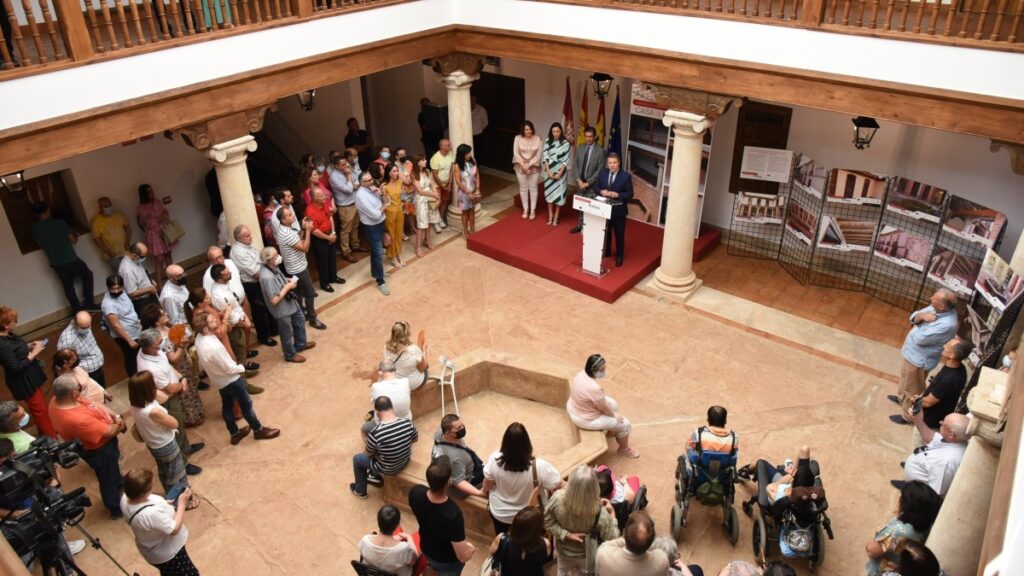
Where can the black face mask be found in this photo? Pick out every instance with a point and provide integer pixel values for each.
(461, 433)
(116, 294)
(183, 281)
(76, 363)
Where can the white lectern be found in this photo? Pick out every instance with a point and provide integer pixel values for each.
(596, 212)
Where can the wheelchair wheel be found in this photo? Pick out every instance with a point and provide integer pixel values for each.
(732, 524)
(676, 521)
(759, 537)
(819, 548)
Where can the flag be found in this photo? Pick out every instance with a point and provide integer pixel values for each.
(599, 125)
(614, 134)
(582, 124)
(567, 123)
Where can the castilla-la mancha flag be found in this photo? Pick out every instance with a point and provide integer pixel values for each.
(599, 125)
(568, 129)
(582, 124)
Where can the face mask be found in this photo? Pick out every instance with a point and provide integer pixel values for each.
(321, 167)
(278, 260)
(116, 294)
(108, 211)
(183, 281)
(24, 421)
(461, 433)
(83, 331)
(599, 374)
(1006, 361)
(76, 363)
(385, 155)
(142, 261)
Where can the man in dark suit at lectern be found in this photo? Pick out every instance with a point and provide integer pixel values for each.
(615, 184)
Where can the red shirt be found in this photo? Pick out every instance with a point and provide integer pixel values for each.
(321, 217)
(87, 422)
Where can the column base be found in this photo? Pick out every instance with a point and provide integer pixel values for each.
(678, 288)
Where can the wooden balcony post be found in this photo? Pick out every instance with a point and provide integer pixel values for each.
(301, 8)
(73, 29)
(812, 12)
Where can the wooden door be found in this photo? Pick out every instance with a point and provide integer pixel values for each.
(762, 125)
(504, 98)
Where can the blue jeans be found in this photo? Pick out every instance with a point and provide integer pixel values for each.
(235, 392)
(375, 232)
(361, 469)
(104, 462)
(292, 332)
(446, 568)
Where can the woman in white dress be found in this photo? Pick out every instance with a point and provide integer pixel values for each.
(410, 359)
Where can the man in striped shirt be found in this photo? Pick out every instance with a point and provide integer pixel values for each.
(293, 244)
(388, 448)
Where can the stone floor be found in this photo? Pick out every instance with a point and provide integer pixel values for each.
(283, 507)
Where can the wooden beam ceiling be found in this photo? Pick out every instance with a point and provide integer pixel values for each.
(51, 140)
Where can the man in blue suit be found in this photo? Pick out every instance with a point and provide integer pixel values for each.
(615, 184)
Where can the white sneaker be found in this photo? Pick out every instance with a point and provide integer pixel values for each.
(76, 546)
(384, 289)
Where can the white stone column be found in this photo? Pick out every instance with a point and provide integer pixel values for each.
(460, 121)
(675, 274)
(228, 160)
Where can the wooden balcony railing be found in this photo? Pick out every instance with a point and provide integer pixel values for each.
(990, 24)
(43, 34)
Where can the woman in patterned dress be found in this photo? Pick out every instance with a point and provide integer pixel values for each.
(555, 166)
(427, 198)
(177, 350)
(152, 215)
(466, 178)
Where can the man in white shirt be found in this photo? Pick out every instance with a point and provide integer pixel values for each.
(137, 283)
(171, 384)
(247, 261)
(226, 376)
(937, 461)
(174, 294)
(392, 386)
(224, 299)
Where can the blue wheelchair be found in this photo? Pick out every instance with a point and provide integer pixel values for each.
(710, 478)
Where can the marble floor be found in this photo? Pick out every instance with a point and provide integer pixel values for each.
(283, 506)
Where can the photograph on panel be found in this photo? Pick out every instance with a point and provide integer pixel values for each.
(973, 222)
(846, 234)
(810, 176)
(801, 223)
(903, 248)
(954, 271)
(916, 200)
(856, 187)
(760, 208)
(997, 282)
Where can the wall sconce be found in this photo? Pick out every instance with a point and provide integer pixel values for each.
(13, 182)
(602, 84)
(306, 99)
(864, 128)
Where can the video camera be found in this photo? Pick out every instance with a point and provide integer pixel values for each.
(28, 479)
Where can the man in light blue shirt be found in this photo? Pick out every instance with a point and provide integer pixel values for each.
(933, 326)
(344, 184)
(371, 203)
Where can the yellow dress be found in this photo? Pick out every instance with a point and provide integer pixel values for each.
(395, 219)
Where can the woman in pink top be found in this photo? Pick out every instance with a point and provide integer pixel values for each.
(526, 161)
(152, 215)
(590, 409)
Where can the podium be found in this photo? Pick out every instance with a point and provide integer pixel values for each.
(596, 212)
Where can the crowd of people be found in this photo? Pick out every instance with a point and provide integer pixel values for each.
(178, 337)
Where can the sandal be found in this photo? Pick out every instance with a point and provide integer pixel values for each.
(629, 452)
(193, 503)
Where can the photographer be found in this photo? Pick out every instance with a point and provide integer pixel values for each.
(281, 302)
(11, 509)
(159, 529)
(13, 419)
(76, 417)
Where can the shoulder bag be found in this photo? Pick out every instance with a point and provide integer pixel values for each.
(591, 543)
(171, 232)
(492, 564)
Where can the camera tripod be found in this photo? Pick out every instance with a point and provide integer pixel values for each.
(57, 559)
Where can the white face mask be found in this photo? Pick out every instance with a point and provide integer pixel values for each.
(599, 374)
(278, 260)
(24, 421)
(1007, 361)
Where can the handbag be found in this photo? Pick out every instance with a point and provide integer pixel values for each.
(536, 498)
(386, 239)
(171, 231)
(492, 564)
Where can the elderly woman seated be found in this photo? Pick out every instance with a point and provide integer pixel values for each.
(591, 409)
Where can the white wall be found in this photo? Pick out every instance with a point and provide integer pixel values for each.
(394, 99)
(321, 129)
(172, 168)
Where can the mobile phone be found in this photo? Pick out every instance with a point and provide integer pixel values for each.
(44, 341)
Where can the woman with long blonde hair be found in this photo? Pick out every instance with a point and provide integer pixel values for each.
(410, 359)
(574, 512)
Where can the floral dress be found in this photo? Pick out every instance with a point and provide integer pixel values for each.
(191, 402)
(151, 216)
(892, 537)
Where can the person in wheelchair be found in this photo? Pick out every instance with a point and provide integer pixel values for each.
(711, 447)
(621, 493)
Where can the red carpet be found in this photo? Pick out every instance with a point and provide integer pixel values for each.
(554, 254)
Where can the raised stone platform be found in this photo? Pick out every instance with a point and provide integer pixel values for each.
(494, 390)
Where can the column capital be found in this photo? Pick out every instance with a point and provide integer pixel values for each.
(1016, 152)
(468, 64)
(686, 124)
(202, 135)
(232, 151)
(706, 104)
